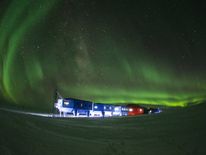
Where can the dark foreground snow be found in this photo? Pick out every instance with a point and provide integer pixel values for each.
(175, 131)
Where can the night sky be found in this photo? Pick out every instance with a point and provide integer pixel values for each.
(113, 51)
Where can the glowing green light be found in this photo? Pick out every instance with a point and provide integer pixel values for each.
(43, 48)
(13, 34)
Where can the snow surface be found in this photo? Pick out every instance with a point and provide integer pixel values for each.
(176, 131)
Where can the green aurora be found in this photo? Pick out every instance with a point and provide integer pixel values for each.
(121, 54)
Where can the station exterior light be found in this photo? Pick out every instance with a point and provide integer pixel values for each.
(130, 109)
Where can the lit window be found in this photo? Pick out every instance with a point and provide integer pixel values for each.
(130, 109)
(116, 108)
(66, 103)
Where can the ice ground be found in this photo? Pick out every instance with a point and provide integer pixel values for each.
(175, 131)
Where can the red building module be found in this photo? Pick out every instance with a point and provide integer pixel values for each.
(135, 110)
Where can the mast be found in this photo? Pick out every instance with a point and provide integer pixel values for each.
(57, 95)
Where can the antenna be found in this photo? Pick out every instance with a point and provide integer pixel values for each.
(57, 95)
